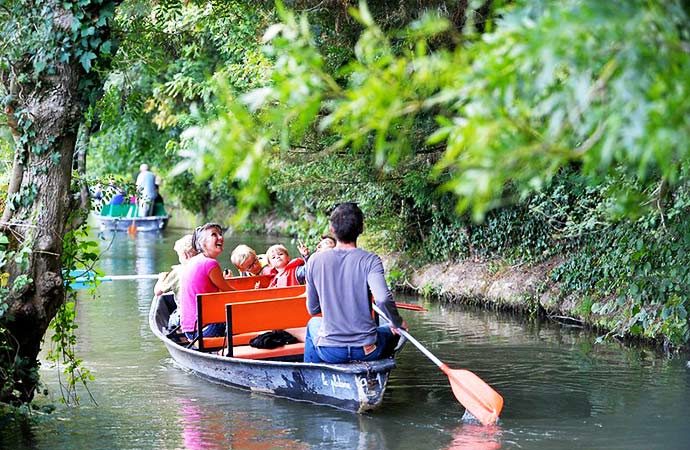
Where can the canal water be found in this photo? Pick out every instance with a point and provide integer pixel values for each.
(562, 390)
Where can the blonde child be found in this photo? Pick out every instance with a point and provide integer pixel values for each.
(248, 263)
(279, 259)
(170, 281)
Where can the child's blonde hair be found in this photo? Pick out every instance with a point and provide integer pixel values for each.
(184, 245)
(240, 254)
(275, 248)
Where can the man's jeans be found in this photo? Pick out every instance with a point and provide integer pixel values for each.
(385, 344)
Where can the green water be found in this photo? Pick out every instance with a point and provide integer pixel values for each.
(561, 390)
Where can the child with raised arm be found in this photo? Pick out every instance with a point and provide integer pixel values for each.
(326, 243)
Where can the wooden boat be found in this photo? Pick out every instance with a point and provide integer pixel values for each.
(356, 387)
(123, 217)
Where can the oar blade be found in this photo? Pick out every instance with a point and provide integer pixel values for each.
(475, 395)
(410, 306)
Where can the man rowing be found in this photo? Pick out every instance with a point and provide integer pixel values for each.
(339, 283)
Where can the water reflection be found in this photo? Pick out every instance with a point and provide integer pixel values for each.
(355, 432)
(197, 432)
(475, 437)
(16, 431)
(124, 254)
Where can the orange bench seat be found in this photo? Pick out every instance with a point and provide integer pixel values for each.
(211, 309)
(243, 339)
(249, 352)
(245, 318)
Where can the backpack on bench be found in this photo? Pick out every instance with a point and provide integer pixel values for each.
(273, 339)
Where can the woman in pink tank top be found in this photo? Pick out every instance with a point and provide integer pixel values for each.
(202, 275)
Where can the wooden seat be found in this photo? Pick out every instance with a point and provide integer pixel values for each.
(248, 352)
(246, 283)
(258, 316)
(244, 338)
(211, 309)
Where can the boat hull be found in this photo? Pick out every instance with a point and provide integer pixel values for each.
(150, 223)
(356, 387)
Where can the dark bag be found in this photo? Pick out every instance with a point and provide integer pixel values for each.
(273, 339)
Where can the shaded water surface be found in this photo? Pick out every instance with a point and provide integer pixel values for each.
(562, 391)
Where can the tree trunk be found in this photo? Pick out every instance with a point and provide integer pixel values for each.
(44, 112)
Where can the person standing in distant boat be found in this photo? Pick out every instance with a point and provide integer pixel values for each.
(338, 284)
(158, 203)
(146, 191)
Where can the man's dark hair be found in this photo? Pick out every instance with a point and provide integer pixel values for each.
(347, 221)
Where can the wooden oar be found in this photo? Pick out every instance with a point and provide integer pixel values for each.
(87, 276)
(150, 276)
(410, 306)
(472, 392)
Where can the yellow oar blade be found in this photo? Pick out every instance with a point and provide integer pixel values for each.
(475, 395)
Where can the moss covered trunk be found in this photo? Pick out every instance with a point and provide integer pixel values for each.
(43, 112)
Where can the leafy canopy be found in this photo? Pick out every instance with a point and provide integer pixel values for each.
(552, 84)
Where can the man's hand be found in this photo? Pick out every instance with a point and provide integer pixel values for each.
(403, 326)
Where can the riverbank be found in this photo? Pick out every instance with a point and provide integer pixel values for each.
(562, 287)
(525, 289)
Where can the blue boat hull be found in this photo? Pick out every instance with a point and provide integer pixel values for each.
(356, 387)
(150, 223)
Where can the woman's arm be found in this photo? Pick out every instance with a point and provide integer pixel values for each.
(216, 276)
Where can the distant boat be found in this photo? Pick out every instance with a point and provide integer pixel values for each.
(124, 217)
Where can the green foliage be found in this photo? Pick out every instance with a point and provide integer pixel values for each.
(430, 290)
(560, 126)
(588, 81)
(553, 83)
(641, 267)
(171, 60)
(50, 36)
(79, 254)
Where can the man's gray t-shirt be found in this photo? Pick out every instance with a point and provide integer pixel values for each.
(338, 284)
